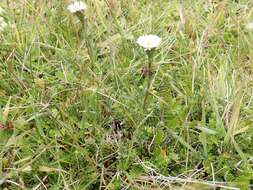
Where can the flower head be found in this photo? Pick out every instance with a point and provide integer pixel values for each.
(249, 26)
(149, 41)
(77, 6)
(3, 24)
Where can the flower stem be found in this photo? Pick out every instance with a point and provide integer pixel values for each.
(88, 41)
(149, 78)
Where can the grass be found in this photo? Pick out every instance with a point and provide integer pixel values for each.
(72, 117)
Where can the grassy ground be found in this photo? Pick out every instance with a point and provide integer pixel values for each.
(72, 117)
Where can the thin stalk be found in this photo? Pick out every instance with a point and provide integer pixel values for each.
(90, 50)
(88, 41)
(149, 78)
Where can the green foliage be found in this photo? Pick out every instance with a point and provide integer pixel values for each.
(71, 97)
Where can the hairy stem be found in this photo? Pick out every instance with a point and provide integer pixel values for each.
(149, 79)
(88, 41)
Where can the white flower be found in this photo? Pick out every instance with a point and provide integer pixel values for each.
(149, 41)
(249, 26)
(3, 24)
(77, 6)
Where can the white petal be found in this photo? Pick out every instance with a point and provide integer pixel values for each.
(249, 26)
(149, 41)
(77, 6)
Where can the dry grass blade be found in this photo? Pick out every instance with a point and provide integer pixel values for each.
(169, 180)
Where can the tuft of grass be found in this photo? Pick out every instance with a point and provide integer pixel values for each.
(71, 96)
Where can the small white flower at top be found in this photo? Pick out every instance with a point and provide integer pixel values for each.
(249, 26)
(149, 42)
(77, 6)
(3, 24)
